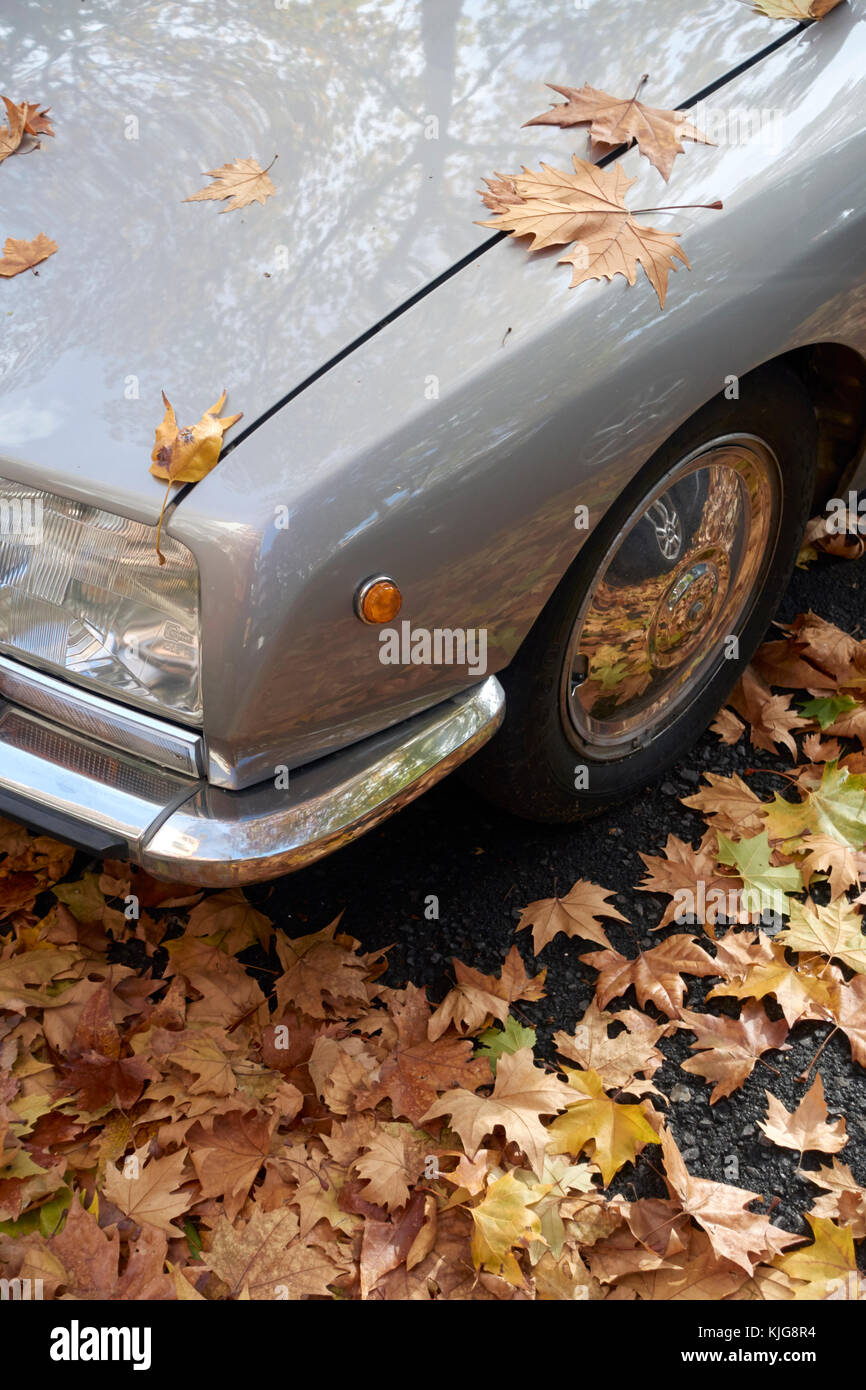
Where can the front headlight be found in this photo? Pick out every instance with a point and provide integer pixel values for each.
(82, 594)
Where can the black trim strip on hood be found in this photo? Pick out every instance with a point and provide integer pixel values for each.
(473, 255)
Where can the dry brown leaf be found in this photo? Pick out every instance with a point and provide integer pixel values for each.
(730, 1047)
(806, 1127)
(844, 1200)
(522, 1092)
(771, 719)
(755, 967)
(656, 974)
(850, 1014)
(147, 1189)
(417, 1069)
(266, 1258)
(736, 1234)
(476, 996)
(728, 727)
(21, 255)
(620, 1061)
(36, 121)
(624, 121)
(244, 181)
(579, 913)
(588, 207)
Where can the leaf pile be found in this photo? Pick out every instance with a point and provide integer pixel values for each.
(170, 1130)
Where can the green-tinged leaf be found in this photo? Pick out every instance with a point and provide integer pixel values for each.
(495, 1041)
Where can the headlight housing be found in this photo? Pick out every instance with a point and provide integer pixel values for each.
(82, 594)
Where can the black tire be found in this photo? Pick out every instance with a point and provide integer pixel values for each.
(530, 767)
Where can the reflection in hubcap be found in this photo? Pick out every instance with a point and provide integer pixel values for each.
(648, 636)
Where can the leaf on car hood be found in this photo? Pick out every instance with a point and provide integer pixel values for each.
(25, 118)
(244, 181)
(587, 207)
(21, 255)
(187, 455)
(624, 121)
(796, 9)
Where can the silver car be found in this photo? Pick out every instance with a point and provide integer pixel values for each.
(464, 500)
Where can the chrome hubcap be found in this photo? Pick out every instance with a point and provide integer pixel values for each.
(678, 582)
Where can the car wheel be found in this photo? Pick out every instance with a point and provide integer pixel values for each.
(662, 610)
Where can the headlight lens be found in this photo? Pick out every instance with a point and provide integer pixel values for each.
(83, 594)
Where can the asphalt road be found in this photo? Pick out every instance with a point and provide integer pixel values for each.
(484, 867)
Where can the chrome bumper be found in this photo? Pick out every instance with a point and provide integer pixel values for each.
(77, 788)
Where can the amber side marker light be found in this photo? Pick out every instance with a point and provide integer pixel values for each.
(378, 600)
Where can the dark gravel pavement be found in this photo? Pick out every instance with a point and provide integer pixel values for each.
(484, 867)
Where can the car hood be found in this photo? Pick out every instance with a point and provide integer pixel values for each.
(384, 116)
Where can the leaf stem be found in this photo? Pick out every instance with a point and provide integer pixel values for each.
(159, 524)
(678, 207)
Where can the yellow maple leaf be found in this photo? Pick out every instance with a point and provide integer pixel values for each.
(830, 1257)
(187, 455)
(616, 1132)
(503, 1220)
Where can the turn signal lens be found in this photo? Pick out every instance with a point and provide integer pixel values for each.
(378, 600)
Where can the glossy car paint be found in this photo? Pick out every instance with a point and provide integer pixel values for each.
(468, 500)
(451, 448)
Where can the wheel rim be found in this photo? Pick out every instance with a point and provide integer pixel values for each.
(678, 581)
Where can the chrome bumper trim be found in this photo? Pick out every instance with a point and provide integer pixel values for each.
(220, 838)
(196, 833)
(48, 767)
(143, 735)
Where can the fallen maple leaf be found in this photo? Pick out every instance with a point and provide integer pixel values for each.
(728, 727)
(620, 1060)
(21, 255)
(806, 1127)
(844, 1200)
(577, 914)
(244, 181)
(836, 807)
(147, 1191)
(624, 121)
(759, 968)
(588, 207)
(189, 454)
(522, 1092)
(505, 1219)
(322, 972)
(393, 1158)
(850, 1014)
(265, 1257)
(771, 719)
(656, 974)
(728, 804)
(613, 1133)
(824, 854)
(730, 1047)
(829, 1257)
(476, 996)
(735, 1233)
(228, 1153)
(833, 931)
